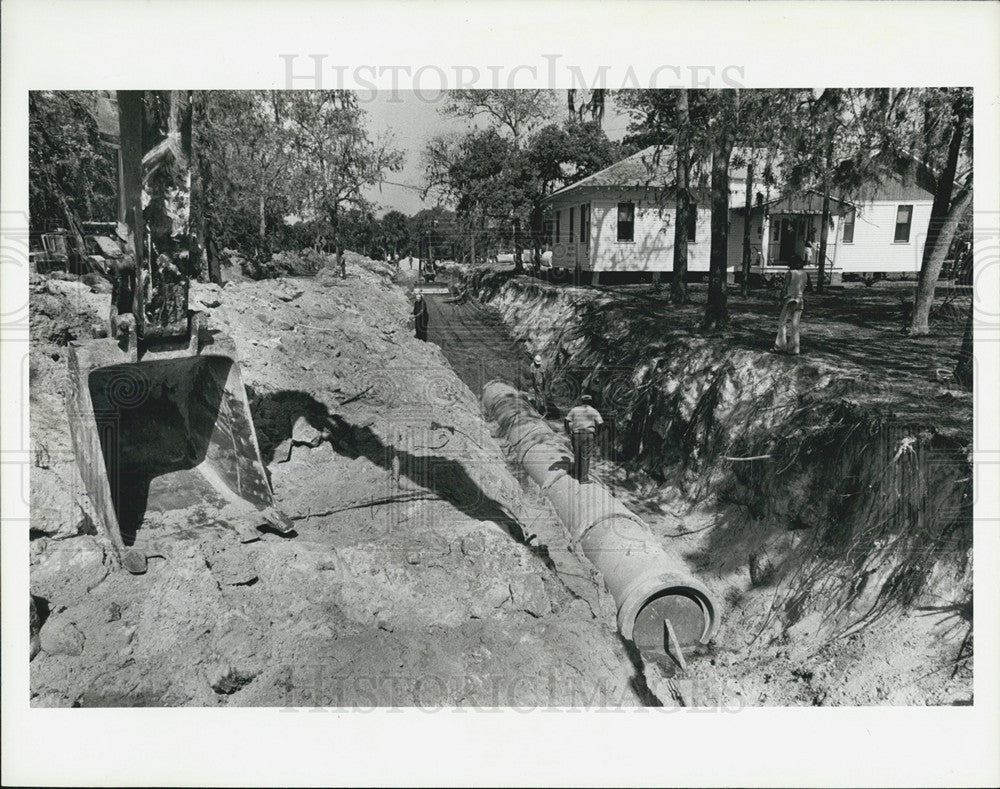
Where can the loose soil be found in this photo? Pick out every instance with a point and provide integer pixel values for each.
(413, 576)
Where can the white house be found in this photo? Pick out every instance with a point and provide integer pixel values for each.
(621, 219)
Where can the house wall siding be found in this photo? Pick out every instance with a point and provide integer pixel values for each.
(873, 248)
(652, 248)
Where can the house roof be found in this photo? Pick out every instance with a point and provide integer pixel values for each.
(640, 169)
(653, 168)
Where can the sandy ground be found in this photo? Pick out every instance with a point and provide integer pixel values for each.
(412, 577)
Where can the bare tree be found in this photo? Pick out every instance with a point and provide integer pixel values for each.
(515, 111)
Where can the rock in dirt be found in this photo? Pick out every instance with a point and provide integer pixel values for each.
(97, 283)
(226, 680)
(528, 593)
(68, 570)
(60, 636)
(35, 622)
(305, 433)
(287, 291)
(56, 505)
(206, 294)
(231, 565)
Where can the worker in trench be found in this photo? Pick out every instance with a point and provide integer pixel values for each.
(420, 317)
(582, 423)
(538, 384)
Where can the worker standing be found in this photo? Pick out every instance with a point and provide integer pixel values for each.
(581, 423)
(420, 317)
(538, 383)
(792, 304)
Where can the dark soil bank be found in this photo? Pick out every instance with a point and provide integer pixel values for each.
(829, 496)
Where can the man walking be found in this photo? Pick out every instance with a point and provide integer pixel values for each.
(420, 317)
(792, 304)
(581, 423)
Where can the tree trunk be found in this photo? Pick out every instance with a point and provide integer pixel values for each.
(964, 368)
(936, 235)
(597, 106)
(201, 186)
(262, 219)
(518, 264)
(537, 224)
(197, 244)
(930, 270)
(337, 248)
(747, 215)
(716, 312)
(678, 288)
(830, 102)
(823, 224)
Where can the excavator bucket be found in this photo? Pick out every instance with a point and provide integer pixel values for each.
(158, 415)
(166, 445)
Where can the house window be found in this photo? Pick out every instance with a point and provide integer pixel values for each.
(558, 217)
(548, 232)
(692, 223)
(585, 223)
(626, 221)
(572, 213)
(849, 228)
(904, 218)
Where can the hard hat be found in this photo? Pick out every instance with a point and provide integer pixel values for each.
(538, 359)
(587, 398)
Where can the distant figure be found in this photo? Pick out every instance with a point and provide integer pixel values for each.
(581, 423)
(792, 304)
(420, 317)
(538, 383)
(808, 253)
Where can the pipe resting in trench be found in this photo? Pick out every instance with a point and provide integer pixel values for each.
(661, 608)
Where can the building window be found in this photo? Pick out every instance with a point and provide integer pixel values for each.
(558, 217)
(692, 223)
(849, 227)
(626, 221)
(572, 213)
(904, 218)
(548, 231)
(585, 223)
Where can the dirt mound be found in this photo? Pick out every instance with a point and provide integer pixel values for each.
(410, 578)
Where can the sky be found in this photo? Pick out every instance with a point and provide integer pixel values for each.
(412, 120)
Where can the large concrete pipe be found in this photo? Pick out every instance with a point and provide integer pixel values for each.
(661, 608)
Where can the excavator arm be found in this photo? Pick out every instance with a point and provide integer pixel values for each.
(161, 426)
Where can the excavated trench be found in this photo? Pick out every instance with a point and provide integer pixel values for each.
(827, 499)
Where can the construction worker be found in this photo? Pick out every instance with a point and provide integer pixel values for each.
(581, 423)
(538, 382)
(420, 317)
(792, 304)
